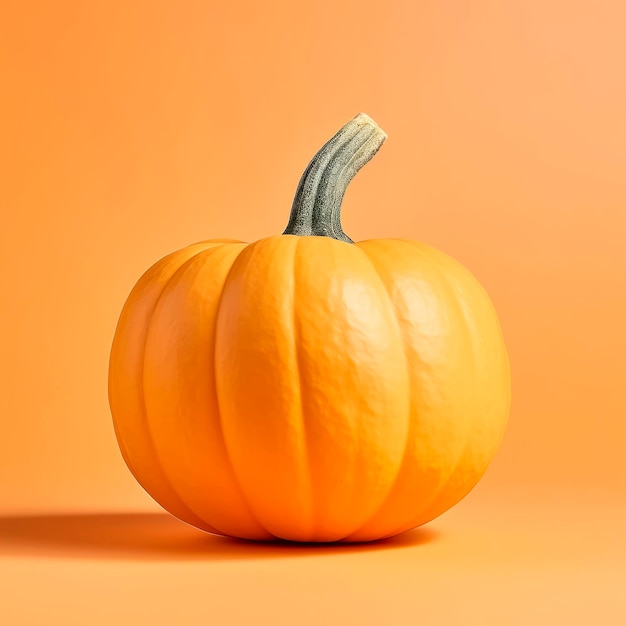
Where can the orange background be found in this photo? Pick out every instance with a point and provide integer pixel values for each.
(131, 129)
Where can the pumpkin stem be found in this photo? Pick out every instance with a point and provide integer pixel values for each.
(316, 208)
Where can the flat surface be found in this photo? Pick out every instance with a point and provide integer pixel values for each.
(553, 558)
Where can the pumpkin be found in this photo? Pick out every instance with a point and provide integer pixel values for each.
(306, 387)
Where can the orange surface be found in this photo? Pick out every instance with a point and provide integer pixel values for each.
(129, 130)
(368, 381)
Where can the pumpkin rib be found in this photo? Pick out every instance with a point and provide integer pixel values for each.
(220, 421)
(147, 422)
(144, 280)
(357, 443)
(208, 268)
(418, 520)
(297, 376)
(230, 467)
(429, 511)
(258, 398)
(445, 279)
(470, 326)
(444, 283)
(402, 335)
(471, 321)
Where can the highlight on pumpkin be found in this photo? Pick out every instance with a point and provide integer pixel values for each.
(306, 387)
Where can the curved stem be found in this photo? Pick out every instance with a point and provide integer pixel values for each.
(316, 208)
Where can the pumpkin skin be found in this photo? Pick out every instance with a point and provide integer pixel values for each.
(306, 388)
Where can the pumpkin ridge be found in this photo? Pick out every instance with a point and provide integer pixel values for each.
(147, 425)
(409, 404)
(191, 274)
(144, 278)
(220, 422)
(298, 378)
(418, 519)
(468, 325)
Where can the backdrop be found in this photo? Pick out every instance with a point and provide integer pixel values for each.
(129, 130)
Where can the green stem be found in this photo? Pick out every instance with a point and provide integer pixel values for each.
(316, 208)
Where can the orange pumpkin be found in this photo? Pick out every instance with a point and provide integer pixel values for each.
(306, 387)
